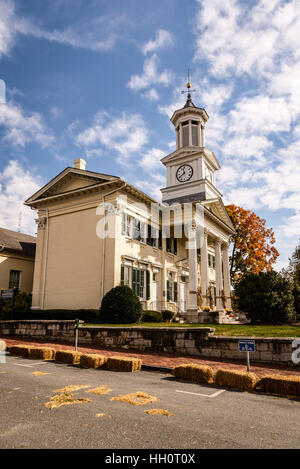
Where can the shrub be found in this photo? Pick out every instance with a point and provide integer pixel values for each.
(120, 306)
(123, 364)
(68, 356)
(277, 384)
(87, 315)
(92, 360)
(167, 315)
(152, 316)
(22, 306)
(233, 379)
(42, 353)
(195, 373)
(266, 297)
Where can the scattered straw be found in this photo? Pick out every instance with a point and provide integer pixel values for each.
(100, 390)
(39, 373)
(158, 412)
(100, 415)
(72, 388)
(64, 399)
(136, 398)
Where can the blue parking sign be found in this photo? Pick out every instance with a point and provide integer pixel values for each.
(247, 345)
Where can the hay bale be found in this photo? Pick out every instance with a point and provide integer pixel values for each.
(123, 364)
(42, 353)
(201, 374)
(92, 360)
(68, 356)
(20, 350)
(234, 379)
(278, 384)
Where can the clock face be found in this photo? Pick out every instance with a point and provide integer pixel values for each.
(184, 173)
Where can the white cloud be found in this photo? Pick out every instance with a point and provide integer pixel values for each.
(151, 95)
(125, 133)
(16, 185)
(99, 34)
(163, 39)
(151, 159)
(150, 76)
(21, 127)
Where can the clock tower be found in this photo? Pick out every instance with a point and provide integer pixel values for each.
(191, 167)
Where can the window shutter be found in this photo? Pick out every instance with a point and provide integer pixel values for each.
(160, 239)
(134, 280)
(168, 291)
(148, 285)
(122, 274)
(175, 292)
(175, 246)
(214, 262)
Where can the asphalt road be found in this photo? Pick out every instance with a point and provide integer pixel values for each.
(203, 417)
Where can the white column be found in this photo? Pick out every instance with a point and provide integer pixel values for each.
(193, 268)
(199, 135)
(204, 270)
(226, 272)
(190, 133)
(202, 136)
(219, 276)
(180, 135)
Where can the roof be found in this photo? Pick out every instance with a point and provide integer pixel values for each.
(15, 241)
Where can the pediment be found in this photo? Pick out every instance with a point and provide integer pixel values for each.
(217, 208)
(71, 179)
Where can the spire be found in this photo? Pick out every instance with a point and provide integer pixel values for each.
(189, 102)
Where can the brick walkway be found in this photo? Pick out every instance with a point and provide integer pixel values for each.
(166, 360)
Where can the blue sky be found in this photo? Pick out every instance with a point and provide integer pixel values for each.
(100, 80)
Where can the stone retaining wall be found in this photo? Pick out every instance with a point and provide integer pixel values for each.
(185, 341)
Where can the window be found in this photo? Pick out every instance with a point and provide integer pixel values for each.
(185, 133)
(211, 261)
(14, 279)
(171, 245)
(137, 279)
(195, 133)
(172, 288)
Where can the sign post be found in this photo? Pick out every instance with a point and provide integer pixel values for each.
(247, 346)
(76, 334)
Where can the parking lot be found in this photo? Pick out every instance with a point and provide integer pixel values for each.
(202, 416)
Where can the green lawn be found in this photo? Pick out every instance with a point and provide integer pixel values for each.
(245, 330)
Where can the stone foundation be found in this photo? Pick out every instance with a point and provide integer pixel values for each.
(198, 341)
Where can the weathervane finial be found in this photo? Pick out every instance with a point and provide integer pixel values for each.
(189, 91)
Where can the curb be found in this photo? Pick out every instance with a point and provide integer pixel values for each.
(162, 369)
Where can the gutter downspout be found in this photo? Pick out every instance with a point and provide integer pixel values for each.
(104, 239)
(46, 258)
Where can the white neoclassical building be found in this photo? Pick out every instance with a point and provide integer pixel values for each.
(96, 231)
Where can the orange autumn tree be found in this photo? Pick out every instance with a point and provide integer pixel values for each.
(253, 244)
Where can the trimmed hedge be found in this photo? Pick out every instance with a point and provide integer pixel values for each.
(167, 315)
(68, 356)
(89, 360)
(123, 364)
(87, 315)
(152, 316)
(194, 373)
(238, 380)
(42, 353)
(277, 384)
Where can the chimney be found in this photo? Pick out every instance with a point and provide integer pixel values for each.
(80, 164)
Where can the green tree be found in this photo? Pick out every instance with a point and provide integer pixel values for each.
(266, 297)
(120, 306)
(292, 272)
